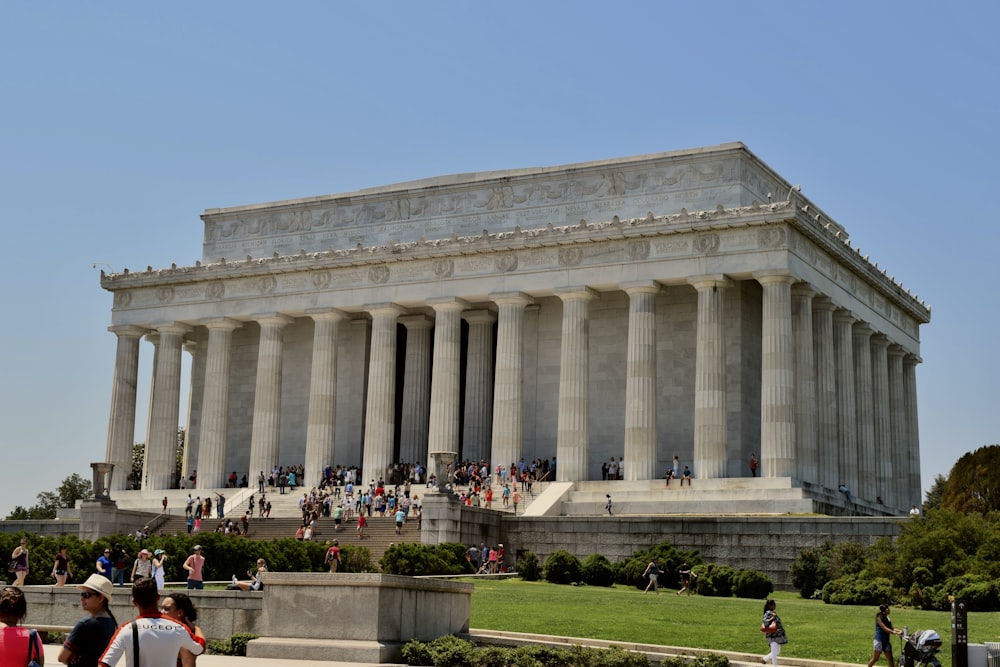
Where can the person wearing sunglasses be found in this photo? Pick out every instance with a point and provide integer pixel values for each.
(90, 636)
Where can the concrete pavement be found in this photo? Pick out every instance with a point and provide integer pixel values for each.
(52, 653)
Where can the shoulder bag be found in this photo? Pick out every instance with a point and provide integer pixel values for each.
(34, 649)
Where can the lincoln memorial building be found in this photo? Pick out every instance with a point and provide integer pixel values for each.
(690, 303)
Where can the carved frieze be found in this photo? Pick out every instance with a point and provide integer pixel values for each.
(320, 279)
(266, 284)
(771, 237)
(443, 268)
(706, 243)
(378, 274)
(637, 249)
(165, 294)
(215, 290)
(571, 256)
(506, 262)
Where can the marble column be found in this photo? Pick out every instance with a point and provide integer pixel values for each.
(897, 425)
(827, 445)
(881, 464)
(213, 439)
(161, 445)
(443, 434)
(265, 439)
(508, 387)
(843, 347)
(154, 340)
(195, 394)
(416, 388)
(914, 488)
(121, 422)
(380, 410)
(573, 435)
(710, 378)
(777, 387)
(864, 409)
(640, 381)
(806, 452)
(478, 386)
(321, 428)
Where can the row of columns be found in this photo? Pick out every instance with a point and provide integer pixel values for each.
(838, 402)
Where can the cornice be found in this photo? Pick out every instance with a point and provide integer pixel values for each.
(828, 237)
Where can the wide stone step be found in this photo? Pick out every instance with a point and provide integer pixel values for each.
(693, 505)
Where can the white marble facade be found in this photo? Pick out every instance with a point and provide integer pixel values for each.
(688, 303)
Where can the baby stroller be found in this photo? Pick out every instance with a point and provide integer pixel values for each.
(920, 649)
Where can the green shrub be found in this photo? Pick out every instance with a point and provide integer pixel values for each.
(425, 559)
(752, 584)
(598, 571)
(714, 580)
(235, 645)
(859, 590)
(629, 572)
(811, 570)
(542, 656)
(711, 660)
(450, 651)
(528, 568)
(416, 652)
(562, 567)
(615, 657)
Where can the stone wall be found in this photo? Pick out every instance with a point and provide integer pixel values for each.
(767, 544)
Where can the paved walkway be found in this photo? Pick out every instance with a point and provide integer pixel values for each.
(52, 654)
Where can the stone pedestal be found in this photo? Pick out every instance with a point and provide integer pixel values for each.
(397, 609)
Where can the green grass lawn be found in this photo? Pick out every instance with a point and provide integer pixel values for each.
(815, 630)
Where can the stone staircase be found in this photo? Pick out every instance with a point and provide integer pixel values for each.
(740, 495)
(286, 518)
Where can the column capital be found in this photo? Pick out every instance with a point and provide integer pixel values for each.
(420, 321)
(896, 350)
(384, 308)
(804, 290)
(710, 280)
(576, 292)
(912, 359)
(171, 328)
(844, 316)
(221, 324)
(511, 298)
(862, 329)
(479, 316)
(824, 304)
(447, 303)
(880, 340)
(128, 330)
(771, 276)
(641, 287)
(326, 314)
(272, 319)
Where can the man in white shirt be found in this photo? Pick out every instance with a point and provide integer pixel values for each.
(160, 638)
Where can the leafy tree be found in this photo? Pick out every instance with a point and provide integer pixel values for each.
(974, 482)
(932, 499)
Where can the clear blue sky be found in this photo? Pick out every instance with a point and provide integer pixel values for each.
(121, 122)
